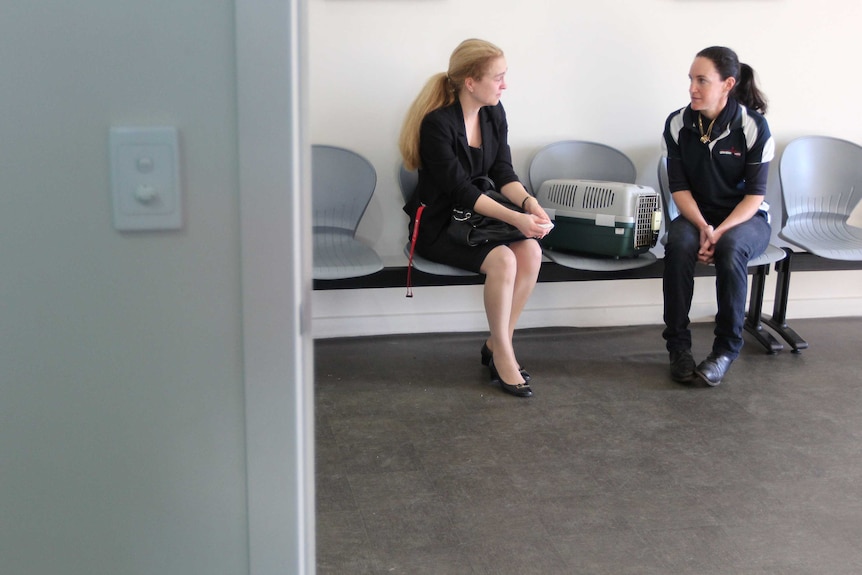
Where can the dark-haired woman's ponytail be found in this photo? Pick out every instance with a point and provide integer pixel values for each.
(747, 92)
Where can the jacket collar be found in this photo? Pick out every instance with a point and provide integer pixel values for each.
(728, 119)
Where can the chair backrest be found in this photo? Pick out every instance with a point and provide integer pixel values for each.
(341, 187)
(407, 181)
(670, 209)
(577, 159)
(820, 174)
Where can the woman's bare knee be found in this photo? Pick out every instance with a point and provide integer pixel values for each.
(501, 261)
(529, 255)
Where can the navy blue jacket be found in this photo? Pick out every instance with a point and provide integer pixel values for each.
(719, 174)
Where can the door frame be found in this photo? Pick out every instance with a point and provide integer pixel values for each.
(275, 231)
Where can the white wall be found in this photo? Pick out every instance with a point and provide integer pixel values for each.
(603, 71)
(121, 376)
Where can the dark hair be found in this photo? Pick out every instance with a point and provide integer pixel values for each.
(728, 65)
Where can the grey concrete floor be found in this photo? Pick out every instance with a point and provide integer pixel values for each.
(611, 468)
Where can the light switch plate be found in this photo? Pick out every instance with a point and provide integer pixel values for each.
(145, 178)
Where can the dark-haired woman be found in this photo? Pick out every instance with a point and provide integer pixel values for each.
(455, 132)
(718, 151)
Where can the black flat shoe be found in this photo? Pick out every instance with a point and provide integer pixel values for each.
(518, 389)
(486, 359)
(713, 369)
(682, 366)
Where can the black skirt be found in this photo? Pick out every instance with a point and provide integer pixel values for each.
(444, 250)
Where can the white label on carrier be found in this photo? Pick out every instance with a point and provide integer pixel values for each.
(605, 220)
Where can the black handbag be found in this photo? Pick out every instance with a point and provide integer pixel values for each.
(469, 228)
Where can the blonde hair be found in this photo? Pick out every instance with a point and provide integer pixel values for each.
(470, 59)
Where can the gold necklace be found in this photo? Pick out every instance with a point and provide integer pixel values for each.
(704, 137)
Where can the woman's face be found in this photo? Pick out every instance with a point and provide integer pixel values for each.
(488, 89)
(708, 92)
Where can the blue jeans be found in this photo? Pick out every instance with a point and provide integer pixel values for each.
(733, 251)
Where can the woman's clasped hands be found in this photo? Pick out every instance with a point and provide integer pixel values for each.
(536, 223)
(708, 238)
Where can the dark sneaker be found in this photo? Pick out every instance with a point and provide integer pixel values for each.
(712, 369)
(682, 366)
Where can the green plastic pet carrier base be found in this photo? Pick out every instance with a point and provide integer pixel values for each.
(584, 236)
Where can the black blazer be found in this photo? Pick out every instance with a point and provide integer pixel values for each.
(447, 167)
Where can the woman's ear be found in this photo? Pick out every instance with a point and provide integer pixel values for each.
(729, 83)
(468, 83)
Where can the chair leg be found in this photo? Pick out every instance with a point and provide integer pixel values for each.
(753, 323)
(778, 321)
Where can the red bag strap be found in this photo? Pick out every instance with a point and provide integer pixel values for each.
(412, 249)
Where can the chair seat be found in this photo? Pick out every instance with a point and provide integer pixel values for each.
(338, 255)
(824, 234)
(429, 267)
(772, 254)
(599, 264)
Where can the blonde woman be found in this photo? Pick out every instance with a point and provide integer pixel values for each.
(454, 133)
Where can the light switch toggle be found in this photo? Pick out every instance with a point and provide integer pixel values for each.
(146, 194)
(145, 178)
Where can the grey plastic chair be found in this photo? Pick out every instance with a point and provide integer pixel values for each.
(408, 180)
(342, 185)
(754, 318)
(821, 185)
(821, 188)
(576, 159)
